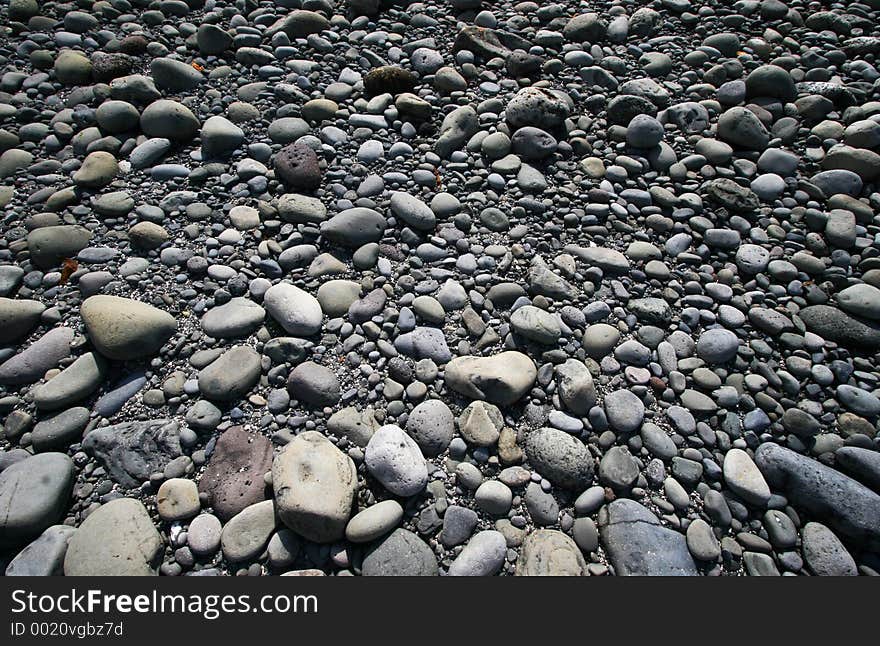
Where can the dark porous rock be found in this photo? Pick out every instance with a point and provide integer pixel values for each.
(234, 477)
(638, 545)
(845, 504)
(389, 78)
(834, 325)
(132, 451)
(297, 166)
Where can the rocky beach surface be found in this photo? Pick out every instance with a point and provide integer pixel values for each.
(454, 287)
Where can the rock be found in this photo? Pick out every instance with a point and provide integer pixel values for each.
(401, 553)
(575, 386)
(132, 451)
(117, 539)
(536, 324)
(18, 318)
(389, 78)
(480, 424)
(458, 126)
(203, 535)
(169, 120)
(483, 555)
(860, 300)
(395, 460)
(49, 246)
(618, 469)
(717, 346)
(702, 542)
(561, 458)
(175, 76)
(238, 318)
(31, 364)
(742, 129)
(547, 552)
(354, 227)
(315, 487)
(44, 556)
(231, 376)
(297, 166)
(413, 211)
(374, 522)
(34, 493)
(501, 379)
(744, 478)
(72, 68)
(245, 536)
(432, 426)
(536, 107)
(834, 325)
(73, 384)
(301, 209)
(638, 545)
(824, 554)
(314, 385)
(220, 137)
(770, 81)
(233, 478)
(624, 410)
(59, 431)
(845, 504)
(295, 310)
(177, 499)
(98, 169)
(124, 329)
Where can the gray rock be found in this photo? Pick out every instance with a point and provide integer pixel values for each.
(547, 552)
(34, 493)
(315, 487)
(295, 310)
(458, 126)
(845, 504)
(824, 554)
(117, 539)
(624, 410)
(432, 425)
(231, 376)
(44, 556)
(31, 364)
(395, 460)
(638, 545)
(169, 120)
(73, 384)
(483, 555)
(401, 553)
(18, 318)
(314, 385)
(123, 329)
(132, 451)
(237, 318)
(536, 107)
(374, 522)
(245, 536)
(501, 379)
(413, 211)
(354, 227)
(48, 246)
(561, 458)
(834, 325)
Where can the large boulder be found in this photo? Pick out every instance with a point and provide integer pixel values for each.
(117, 539)
(33, 495)
(501, 379)
(132, 451)
(315, 487)
(124, 329)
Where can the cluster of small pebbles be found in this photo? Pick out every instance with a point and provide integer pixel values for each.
(452, 287)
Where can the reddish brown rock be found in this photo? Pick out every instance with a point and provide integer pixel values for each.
(233, 479)
(296, 165)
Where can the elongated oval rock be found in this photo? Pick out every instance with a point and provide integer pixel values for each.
(501, 379)
(846, 505)
(33, 495)
(294, 309)
(245, 536)
(18, 317)
(124, 329)
(374, 522)
(315, 486)
(117, 539)
(744, 478)
(32, 363)
(483, 555)
(73, 384)
(354, 227)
